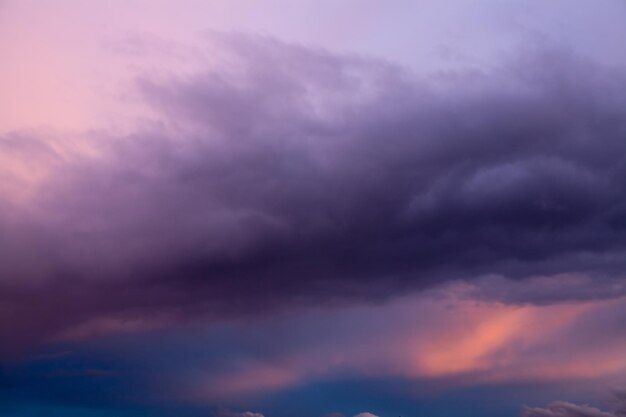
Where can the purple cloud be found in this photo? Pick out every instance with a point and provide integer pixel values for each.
(295, 177)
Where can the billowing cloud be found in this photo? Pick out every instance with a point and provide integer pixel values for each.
(285, 176)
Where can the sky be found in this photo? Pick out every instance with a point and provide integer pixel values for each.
(312, 208)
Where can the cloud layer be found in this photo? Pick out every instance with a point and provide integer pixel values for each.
(285, 176)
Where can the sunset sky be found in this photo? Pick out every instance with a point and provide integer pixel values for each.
(313, 208)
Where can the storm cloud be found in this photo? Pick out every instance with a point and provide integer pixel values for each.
(287, 176)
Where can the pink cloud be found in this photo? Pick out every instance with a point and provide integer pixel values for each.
(457, 340)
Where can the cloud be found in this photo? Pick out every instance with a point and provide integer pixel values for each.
(226, 413)
(566, 409)
(546, 290)
(289, 176)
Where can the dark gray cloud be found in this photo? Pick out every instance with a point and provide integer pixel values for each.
(292, 176)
